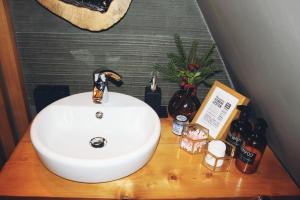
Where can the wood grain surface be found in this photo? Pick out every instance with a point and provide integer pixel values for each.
(12, 72)
(6, 132)
(88, 19)
(171, 173)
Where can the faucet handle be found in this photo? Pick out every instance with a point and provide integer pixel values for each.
(101, 77)
(110, 75)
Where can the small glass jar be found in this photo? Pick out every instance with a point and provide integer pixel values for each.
(194, 138)
(218, 155)
(178, 123)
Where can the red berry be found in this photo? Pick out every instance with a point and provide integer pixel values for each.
(191, 67)
(185, 78)
(182, 84)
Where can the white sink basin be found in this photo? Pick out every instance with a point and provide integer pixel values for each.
(63, 133)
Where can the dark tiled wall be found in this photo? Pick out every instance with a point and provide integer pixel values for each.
(55, 52)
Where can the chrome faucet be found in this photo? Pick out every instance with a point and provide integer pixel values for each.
(100, 78)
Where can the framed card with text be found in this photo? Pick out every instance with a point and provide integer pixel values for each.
(219, 109)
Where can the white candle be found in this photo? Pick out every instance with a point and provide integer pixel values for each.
(217, 148)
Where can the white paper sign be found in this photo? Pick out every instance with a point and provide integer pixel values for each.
(217, 111)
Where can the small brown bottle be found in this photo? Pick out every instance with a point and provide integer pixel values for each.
(252, 149)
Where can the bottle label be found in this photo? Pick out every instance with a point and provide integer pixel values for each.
(246, 156)
(177, 128)
(232, 139)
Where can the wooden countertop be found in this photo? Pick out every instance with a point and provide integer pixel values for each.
(171, 173)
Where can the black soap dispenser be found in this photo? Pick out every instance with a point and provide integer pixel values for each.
(239, 128)
(153, 94)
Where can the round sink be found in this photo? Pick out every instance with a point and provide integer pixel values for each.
(87, 142)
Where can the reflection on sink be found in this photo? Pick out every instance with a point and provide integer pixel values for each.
(74, 144)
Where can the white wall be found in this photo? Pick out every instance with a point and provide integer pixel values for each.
(260, 44)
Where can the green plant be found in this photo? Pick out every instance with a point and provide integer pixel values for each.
(190, 70)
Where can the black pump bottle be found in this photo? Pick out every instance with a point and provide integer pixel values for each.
(239, 127)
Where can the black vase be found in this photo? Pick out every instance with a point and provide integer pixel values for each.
(184, 102)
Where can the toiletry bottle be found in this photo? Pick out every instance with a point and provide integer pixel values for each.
(239, 128)
(252, 149)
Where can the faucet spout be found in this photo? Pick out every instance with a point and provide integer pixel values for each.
(100, 79)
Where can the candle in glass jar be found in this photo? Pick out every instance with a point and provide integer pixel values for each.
(217, 148)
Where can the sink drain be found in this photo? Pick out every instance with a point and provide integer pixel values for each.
(99, 115)
(98, 142)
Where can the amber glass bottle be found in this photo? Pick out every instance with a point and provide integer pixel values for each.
(239, 128)
(252, 149)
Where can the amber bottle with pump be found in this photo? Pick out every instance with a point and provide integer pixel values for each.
(239, 128)
(252, 148)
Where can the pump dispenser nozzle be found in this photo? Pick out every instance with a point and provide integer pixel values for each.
(245, 112)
